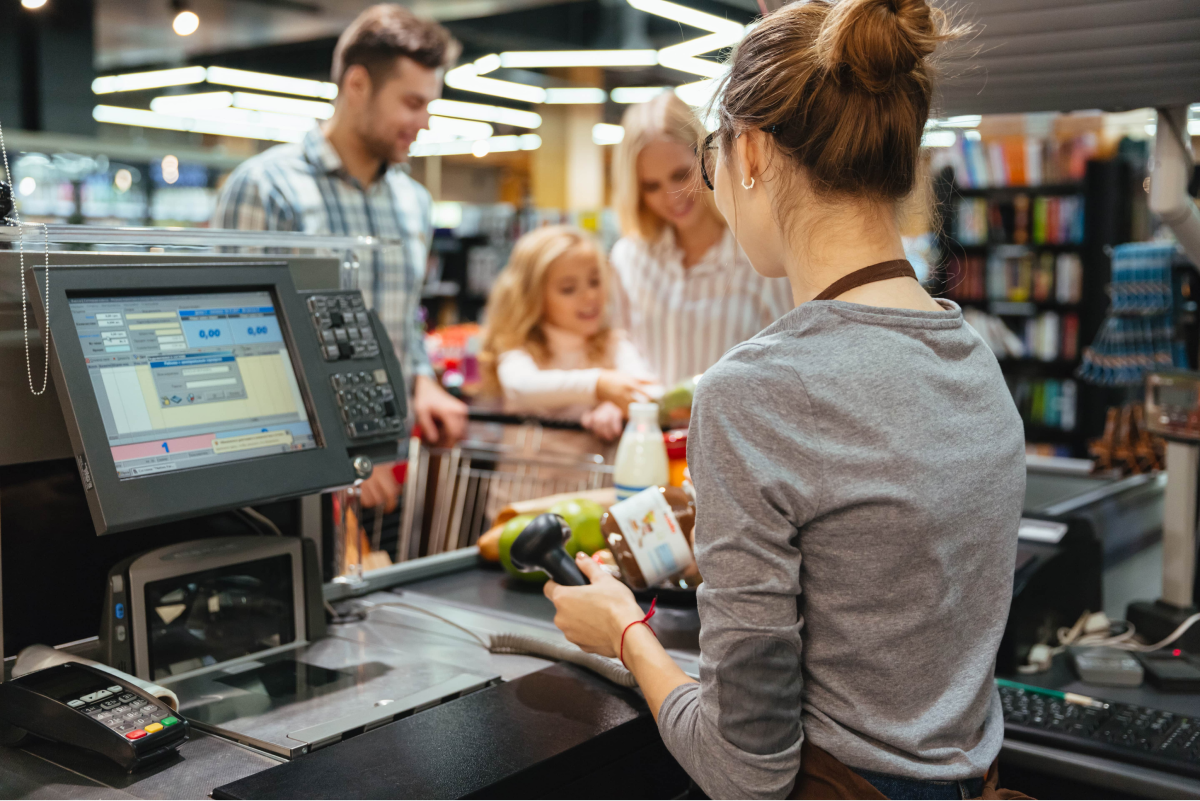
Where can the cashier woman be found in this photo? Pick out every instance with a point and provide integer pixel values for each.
(859, 464)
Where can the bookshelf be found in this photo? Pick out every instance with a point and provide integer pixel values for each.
(1044, 280)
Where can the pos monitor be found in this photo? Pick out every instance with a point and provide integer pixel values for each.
(193, 389)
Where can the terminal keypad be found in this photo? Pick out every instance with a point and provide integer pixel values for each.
(343, 326)
(367, 402)
(124, 712)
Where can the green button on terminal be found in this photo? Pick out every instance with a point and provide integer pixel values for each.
(169, 721)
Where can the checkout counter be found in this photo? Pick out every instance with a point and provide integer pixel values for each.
(398, 697)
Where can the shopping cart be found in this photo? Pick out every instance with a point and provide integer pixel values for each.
(452, 495)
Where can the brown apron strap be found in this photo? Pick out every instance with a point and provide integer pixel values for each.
(822, 775)
(896, 268)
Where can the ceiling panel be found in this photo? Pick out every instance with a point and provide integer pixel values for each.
(1069, 55)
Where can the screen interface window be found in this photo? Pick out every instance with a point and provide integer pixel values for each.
(192, 380)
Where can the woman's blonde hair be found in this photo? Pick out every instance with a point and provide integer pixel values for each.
(517, 300)
(664, 117)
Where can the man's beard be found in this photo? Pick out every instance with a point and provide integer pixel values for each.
(381, 147)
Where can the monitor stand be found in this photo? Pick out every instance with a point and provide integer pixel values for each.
(1155, 620)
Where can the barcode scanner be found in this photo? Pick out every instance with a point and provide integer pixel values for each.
(540, 545)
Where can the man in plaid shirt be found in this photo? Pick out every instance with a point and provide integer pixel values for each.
(346, 178)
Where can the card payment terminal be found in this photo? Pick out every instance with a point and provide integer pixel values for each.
(94, 710)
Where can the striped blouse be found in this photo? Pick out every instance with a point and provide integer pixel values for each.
(683, 319)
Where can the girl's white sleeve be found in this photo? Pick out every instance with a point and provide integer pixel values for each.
(628, 360)
(529, 388)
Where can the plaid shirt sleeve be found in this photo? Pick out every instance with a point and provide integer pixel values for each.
(249, 202)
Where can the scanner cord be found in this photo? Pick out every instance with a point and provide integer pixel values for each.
(16, 219)
(530, 645)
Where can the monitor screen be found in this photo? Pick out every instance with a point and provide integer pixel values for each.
(191, 380)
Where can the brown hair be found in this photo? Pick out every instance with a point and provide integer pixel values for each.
(385, 32)
(517, 301)
(664, 117)
(844, 86)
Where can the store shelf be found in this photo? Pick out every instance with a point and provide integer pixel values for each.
(1043, 189)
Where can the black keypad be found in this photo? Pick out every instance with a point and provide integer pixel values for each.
(344, 326)
(367, 403)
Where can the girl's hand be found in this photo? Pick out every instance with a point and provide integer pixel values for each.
(594, 616)
(621, 389)
(605, 421)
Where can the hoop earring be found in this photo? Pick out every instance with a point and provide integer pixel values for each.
(751, 186)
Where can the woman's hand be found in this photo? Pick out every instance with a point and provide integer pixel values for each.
(605, 421)
(621, 389)
(594, 616)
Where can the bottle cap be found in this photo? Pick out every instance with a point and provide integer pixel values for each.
(643, 410)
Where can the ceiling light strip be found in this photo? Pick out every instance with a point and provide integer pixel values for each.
(462, 147)
(135, 81)
(540, 59)
(467, 79)
(117, 115)
(689, 16)
(481, 111)
(265, 82)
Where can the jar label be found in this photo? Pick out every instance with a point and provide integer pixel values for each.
(653, 534)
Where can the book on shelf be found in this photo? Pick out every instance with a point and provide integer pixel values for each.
(1015, 274)
(1020, 220)
(1048, 402)
(1021, 161)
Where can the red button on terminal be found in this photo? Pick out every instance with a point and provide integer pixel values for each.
(137, 734)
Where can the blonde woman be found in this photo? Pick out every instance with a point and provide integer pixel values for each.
(685, 291)
(549, 349)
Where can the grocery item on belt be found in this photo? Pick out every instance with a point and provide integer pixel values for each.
(641, 455)
(676, 404)
(649, 535)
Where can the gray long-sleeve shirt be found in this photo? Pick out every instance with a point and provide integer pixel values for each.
(860, 474)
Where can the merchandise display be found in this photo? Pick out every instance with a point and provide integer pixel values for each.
(352, 356)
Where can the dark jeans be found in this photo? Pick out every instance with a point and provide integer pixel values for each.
(920, 789)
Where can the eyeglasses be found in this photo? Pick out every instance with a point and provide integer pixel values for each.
(707, 155)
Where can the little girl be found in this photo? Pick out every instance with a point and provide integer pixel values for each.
(548, 349)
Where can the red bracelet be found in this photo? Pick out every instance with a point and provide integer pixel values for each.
(645, 621)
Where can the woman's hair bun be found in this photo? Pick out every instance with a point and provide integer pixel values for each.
(874, 41)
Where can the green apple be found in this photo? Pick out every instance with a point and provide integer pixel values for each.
(583, 516)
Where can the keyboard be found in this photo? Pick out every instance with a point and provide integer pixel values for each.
(1124, 732)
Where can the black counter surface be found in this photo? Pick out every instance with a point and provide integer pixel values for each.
(561, 732)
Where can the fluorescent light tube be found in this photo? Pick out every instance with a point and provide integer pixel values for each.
(467, 79)
(682, 56)
(689, 16)
(481, 111)
(535, 59)
(576, 94)
(636, 94)
(462, 147)
(939, 139)
(141, 118)
(283, 105)
(135, 81)
(459, 129)
(605, 134)
(965, 121)
(698, 93)
(271, 83)
(182, 104)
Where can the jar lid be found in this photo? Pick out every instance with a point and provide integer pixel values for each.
(643, 410)
(676, 442)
